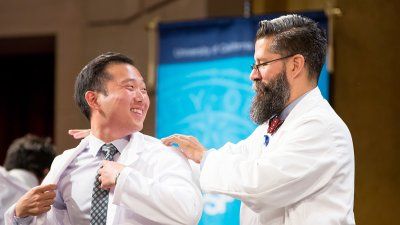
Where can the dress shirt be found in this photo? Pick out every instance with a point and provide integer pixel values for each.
(75, 187)
(285, 113)
(76, 184)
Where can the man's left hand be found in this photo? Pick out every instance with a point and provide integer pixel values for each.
(108, 173)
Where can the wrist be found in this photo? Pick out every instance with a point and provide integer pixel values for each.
(18, 213)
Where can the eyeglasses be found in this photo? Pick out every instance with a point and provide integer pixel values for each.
(257, 66)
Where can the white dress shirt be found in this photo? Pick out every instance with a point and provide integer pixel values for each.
(76, 184)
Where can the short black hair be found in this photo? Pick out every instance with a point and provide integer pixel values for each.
(295, 34)
(31, 153)
(93, 77)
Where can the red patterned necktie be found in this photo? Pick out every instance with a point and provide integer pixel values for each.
(274, 124)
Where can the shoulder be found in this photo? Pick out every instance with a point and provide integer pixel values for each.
(155, 146)
(320, 123)
(65, 154)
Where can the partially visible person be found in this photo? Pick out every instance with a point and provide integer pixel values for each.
(27, 162)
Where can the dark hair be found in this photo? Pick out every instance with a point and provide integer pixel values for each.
(93, 77)
(294, 34)
(30, 153)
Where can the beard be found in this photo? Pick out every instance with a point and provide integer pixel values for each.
(270, 98)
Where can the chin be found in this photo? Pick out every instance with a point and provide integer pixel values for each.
(137, 127)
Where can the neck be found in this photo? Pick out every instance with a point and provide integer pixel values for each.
(298, 92)
(106, 133)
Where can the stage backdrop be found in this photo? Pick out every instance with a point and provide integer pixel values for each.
(204, 90)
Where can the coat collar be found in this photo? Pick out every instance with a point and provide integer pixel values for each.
(133, 149)
(305, 104)
(129, 155)
(61, 162)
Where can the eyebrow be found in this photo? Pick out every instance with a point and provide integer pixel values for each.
(263, 59)
(141, 81)
(131, 80)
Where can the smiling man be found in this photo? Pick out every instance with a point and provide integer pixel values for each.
(116, 175)
(297, 167)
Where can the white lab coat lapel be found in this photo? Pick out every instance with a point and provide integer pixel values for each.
(58, 167)
(132, 149)
(308, 102)
(128, 156)
(62, 162)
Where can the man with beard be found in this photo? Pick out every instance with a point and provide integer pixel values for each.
(303, 172)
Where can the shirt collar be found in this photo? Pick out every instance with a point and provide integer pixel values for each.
(290, 107)
(95, 144)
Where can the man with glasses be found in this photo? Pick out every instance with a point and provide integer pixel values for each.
(297, 167)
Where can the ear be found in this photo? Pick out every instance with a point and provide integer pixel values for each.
(91, 99)
(296, 65)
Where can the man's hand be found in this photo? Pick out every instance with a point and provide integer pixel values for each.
(188, 145)
(79, 134)
(36, 201)
(108, 173)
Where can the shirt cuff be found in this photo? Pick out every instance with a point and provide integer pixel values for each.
(22, 220)
(205, 155)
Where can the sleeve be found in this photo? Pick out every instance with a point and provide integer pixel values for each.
(53, 217)
(56, 216)
(11, 219)
(291, 171)
(169, 197)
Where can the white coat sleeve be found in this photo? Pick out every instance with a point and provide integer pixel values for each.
(295, 169)
(170, 197)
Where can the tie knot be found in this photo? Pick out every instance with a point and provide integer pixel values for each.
(109, 150)
(274, 124)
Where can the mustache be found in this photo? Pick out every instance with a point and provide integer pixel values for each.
(261, 88)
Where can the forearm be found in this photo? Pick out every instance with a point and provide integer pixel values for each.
(274, 181)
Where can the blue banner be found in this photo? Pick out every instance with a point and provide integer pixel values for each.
(204, 90)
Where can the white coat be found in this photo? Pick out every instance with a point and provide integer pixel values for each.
(12, 187)
(157, 187)
(304, 176)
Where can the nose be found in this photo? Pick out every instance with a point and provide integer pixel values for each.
(254, 75)
(138, 96)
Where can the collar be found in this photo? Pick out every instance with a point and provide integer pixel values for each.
(291, 106)
(25, 177)
(95, 144)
